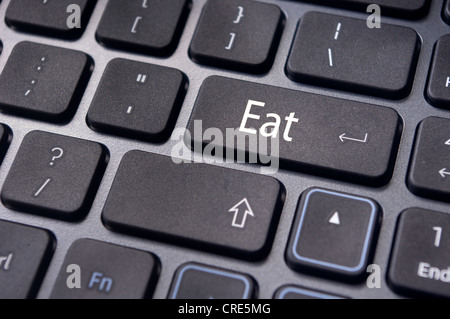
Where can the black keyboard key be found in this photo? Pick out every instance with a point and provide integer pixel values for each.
(405, 9)
(429, 173)
(447, 12)
(312, 133)
(58, 18)
(43, 82)
(237, 34)
(294, 292)
(420, 258)
(195, 281)
(5, 139)
(343, 53)
(202, 206)
(146, 26)
(334, 234)
(25, 253)
(54, 175)
(106, 272)
(438, 89)
(137, 100)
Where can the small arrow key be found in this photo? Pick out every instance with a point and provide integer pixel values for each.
(333, 234)
(429, 171)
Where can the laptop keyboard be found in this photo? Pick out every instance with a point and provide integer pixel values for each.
(325, 170)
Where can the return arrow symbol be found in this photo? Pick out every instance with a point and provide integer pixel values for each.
(343, 137)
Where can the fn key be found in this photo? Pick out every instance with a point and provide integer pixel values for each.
(105, 271)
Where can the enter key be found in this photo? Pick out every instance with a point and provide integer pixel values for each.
(300, 131)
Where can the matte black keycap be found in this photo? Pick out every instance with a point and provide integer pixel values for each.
(25, 253)
(190, 204)
(146, 26)
(420, 257)
(311, 133)
(5, 139)
(447, 12)
(137, 100)
(344, 54)
(438, 88)
(106, 271)
(54, 175)
(405, 9)
(195, 281)
(429, 170)
(333, 234)
(58, 18)
(237, 34)
(294, 292)
(43, 82)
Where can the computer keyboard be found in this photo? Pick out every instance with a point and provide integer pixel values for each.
(326, 146)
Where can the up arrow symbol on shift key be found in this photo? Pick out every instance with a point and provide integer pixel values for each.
(335, 219)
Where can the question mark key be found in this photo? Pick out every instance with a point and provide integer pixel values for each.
(54, 175)
(58, 152)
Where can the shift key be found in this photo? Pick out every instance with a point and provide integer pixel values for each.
(196, 205)
(300, 131)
